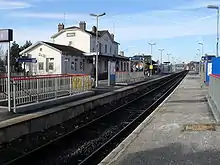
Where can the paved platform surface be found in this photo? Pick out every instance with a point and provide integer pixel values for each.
(167, 138)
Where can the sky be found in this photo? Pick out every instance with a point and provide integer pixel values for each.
(177, 26)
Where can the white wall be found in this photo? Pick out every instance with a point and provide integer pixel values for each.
(81, 40)
(42, 52)
(105, 40)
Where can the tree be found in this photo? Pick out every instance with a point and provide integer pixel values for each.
(2, 63)
(26, 45)
(14, 55)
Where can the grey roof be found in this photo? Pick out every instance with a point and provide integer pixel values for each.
(64, 48)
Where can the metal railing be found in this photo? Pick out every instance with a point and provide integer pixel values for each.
(122, 77)
(31, 89)
(214, 95)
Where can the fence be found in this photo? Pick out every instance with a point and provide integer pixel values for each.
(214, 95)
(129, 76)
(42, 87)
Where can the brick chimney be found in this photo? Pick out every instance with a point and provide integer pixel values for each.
(94, 29)
(113, 36)
(60, 27)
(122, 53)
(82, 25)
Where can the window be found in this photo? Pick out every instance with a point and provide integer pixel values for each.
(100, 48)
(49, 64)
(106, 65)
(76, 64)
(72, 65)
(81, 66)
(70, 34)
(41, 66)
(41, 49)
(110, 49)
(106, 48)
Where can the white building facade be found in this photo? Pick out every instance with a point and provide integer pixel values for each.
(73, 51)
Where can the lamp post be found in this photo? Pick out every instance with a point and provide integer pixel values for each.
(202, 48)
(174, 64)
(151, 52)
(168, 54)
(97, 45)
(161, 55)
(216, 8)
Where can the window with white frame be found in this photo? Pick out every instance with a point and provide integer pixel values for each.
(49, 64)
(71, 34)
(41, 66)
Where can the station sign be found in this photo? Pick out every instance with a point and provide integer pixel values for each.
(27, 60)
(136, 58)
(6, 35)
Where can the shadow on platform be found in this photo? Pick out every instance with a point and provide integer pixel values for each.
(173, 154)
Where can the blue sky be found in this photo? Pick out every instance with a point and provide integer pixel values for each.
(175, 25)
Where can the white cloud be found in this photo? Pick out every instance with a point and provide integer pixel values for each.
(129, 27)
(10, 5)
(197, 4)
(68, 16)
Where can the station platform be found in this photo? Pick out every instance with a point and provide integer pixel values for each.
(182, 130)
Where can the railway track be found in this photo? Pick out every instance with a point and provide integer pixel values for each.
(91, 142)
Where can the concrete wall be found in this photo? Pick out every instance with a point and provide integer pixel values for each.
(214, 96)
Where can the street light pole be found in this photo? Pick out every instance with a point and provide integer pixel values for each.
(168, 56)
(217, 42)
(202, 48)
(200, 55)
(151, 51)
(97, 45)
(161, 55)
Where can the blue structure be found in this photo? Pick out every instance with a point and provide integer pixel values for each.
(111, 73)
(216, 65)
(209, 66)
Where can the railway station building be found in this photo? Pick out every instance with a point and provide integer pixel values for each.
(72, 50)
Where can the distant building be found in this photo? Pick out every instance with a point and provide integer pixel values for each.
(138, 62)
(73, 51)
